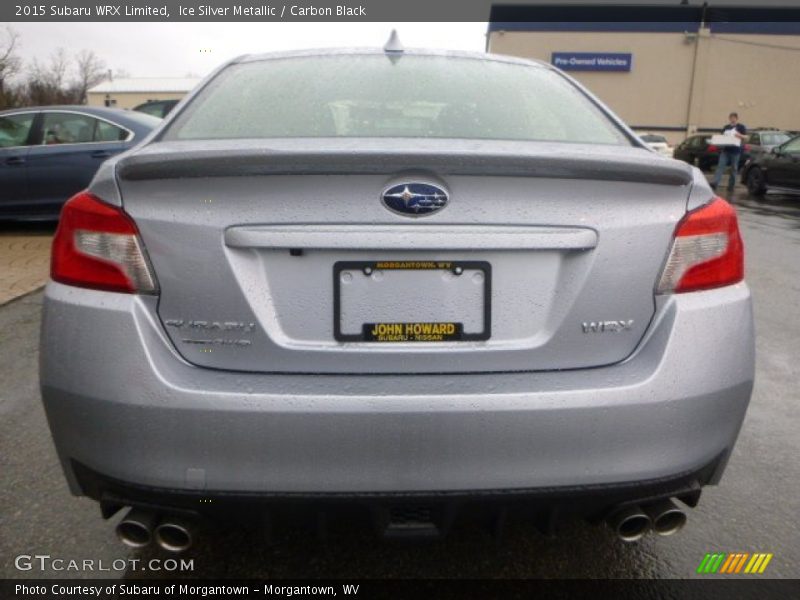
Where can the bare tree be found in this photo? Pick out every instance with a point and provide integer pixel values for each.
(46, 80)
(9, 64)
(62, 78)
(90, 71)
(54, 72)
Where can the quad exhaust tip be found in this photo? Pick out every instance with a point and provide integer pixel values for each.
(666, 516)
(174, 535)
(630, 524)
(139, 528)
(135, 530)
(633, 522)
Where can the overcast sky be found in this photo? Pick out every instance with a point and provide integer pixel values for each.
(177, 49)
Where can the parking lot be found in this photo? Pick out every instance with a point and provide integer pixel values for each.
(753, 510)
(24, 260)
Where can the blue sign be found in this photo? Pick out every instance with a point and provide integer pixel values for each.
(592, 61)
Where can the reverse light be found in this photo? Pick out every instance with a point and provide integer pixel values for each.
(707, 251)
(97, 246)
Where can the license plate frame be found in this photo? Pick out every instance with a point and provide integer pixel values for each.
(457, 336)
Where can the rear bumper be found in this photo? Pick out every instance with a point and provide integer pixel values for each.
(123, 404)
(398, 515)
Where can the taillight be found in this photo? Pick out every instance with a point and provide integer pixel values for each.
(713, 148)
(97, 246)
(707, 251)
(747, 147)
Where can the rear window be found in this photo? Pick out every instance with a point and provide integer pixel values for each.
(372, 96)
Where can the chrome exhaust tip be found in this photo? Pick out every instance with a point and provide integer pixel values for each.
(630, 523)
(174, 534)
(666, 516)
(135, 530)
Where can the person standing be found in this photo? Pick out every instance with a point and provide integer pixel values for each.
(729, 155)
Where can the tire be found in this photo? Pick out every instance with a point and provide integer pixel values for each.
(756, 185)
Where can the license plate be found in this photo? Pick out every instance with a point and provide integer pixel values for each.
(411, 301)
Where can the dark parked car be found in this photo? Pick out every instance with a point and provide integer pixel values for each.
(696, 150)
(47, 154)
(764, 140)
(156, 108)
(777, 170)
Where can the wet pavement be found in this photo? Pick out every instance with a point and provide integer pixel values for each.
(753, 510)
(24, 259)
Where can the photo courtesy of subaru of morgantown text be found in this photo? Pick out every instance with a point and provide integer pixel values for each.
(463, 297)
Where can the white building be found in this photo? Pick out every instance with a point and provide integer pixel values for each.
(128, 92)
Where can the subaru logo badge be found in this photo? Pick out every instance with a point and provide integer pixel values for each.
(414, 199)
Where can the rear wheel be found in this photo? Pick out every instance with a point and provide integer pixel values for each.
(756, 185)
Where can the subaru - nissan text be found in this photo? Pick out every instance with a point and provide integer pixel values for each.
(417, 284)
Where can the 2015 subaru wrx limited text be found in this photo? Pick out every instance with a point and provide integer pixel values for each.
(413, 284)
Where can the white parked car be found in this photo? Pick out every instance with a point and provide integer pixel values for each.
(658, 143)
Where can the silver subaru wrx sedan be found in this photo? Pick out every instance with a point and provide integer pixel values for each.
(409, 284)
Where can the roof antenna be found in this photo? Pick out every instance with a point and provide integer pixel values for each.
(394, 47)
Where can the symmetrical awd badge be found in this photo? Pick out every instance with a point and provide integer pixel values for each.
(414, 199)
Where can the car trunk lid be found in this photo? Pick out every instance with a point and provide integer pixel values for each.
(274, 258)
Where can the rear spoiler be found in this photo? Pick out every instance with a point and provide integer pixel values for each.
(175, 160)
